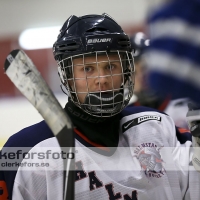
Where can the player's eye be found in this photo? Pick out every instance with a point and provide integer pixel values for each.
(110, 67)
(88, 69)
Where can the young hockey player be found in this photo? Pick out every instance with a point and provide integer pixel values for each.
(120, 153)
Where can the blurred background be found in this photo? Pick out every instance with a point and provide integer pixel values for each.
(17, 16)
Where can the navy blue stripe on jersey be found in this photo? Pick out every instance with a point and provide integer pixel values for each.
(188, 10)
(173, 57)
(27, 137)
(30, 136)
(179, 48)
(179, 88)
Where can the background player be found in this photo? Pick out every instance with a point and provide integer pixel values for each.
(143, 93)
(173, 58)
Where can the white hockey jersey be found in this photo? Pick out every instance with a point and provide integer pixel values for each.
(148, 164)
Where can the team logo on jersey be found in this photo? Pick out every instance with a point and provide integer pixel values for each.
(150, 159)
(139, 120)
(148, 117)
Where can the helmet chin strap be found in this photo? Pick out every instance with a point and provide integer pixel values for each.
(103, 102)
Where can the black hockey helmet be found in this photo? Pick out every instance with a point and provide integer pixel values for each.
(89, 33)
(139, 43)
(88, 36)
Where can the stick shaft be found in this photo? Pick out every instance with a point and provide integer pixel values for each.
(25, 76)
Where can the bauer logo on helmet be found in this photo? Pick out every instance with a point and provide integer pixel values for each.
(99, 40)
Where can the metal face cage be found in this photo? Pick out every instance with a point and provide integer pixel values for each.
(100, 83)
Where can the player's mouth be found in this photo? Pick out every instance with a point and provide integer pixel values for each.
(103, 102)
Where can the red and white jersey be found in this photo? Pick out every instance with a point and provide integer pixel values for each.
(149, 163)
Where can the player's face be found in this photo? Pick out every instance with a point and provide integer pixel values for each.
(96, 74)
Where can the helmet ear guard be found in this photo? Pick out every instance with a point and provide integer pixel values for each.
(139, 43)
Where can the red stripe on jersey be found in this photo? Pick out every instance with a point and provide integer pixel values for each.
(164, 104)
(3, 191)
(183, 130)
(137, 103)
(90, 142)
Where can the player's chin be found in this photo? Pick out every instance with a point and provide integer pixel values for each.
(81, 98)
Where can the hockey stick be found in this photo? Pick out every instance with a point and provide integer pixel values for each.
(25, 76)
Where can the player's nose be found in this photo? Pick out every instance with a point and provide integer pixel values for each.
(103, 79)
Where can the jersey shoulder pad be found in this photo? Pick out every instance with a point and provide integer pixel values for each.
(129, 110)
(30, 136)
